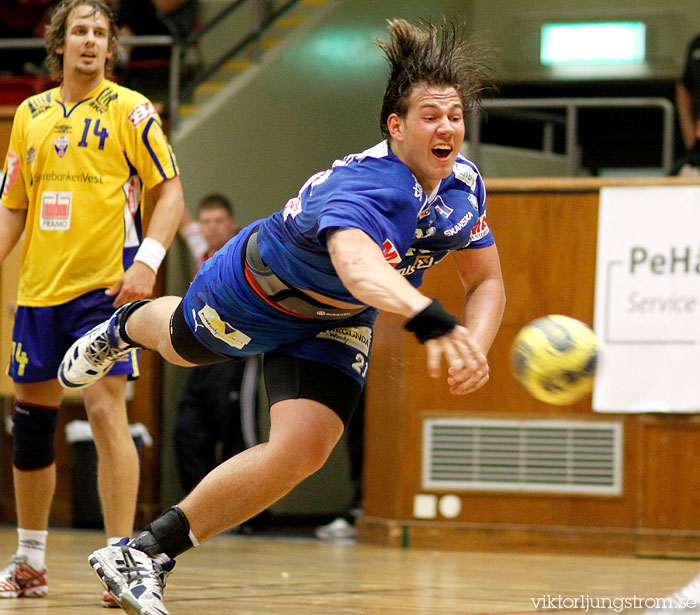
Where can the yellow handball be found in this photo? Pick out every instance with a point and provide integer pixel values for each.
(554, 358)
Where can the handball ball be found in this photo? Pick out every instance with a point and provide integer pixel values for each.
(554, 358)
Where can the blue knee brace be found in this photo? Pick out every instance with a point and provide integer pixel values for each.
(33, 429)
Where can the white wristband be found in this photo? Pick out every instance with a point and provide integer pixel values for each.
(151, 253)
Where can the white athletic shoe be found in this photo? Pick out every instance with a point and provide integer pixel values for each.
(134, 580)
(685, 601)
(92, 355)
(19, 580)
(339, 529)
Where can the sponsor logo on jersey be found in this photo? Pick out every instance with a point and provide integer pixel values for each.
(31, 155)
(473, 202)
(460, 225)
(39, 104)
(424, 211)
(423, 233)
(141, 112)
(391, 254)
(103, 99)
(55, 210)
(68, 176)
(62, 129)
(418, 190)
(60, 144)
(132, 192)
(480, 229)
(358, 338)
(423, 261)
(132, 199)
(292, 208)
(464, 173)
(220, 329)
(12, 172)
(442, 208)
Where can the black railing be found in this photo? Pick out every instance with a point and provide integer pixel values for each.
(262, 20)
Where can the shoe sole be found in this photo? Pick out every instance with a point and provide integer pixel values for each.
(21, 594)
(31, 592)
(109, 602)
(67, 384)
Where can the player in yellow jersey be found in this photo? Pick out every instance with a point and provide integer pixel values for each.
(78, 158)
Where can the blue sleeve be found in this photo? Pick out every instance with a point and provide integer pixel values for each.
(383, 213)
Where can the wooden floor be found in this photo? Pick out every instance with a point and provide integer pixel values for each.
(239, 575)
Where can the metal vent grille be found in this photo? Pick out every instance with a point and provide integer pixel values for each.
(522, 455)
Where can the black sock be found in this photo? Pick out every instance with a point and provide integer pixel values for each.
(129, 309)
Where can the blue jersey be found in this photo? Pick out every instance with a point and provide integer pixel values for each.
(375, 192)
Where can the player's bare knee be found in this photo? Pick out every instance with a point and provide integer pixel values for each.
(302, 457)
(106, 418)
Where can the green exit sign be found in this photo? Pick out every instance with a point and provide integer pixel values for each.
(593, 43)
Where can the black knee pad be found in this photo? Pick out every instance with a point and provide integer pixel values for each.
(33, 429)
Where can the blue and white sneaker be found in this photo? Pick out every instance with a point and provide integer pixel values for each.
(133, 579)
(92, 355)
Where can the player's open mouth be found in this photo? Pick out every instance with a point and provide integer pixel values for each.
(442, 151)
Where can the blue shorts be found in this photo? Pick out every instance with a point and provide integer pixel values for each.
(227, 316)
(42, 335)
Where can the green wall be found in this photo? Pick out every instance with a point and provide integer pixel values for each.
(317, 101)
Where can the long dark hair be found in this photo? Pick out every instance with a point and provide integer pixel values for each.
(430, 55)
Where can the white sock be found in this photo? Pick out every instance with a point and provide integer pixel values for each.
(32, 543)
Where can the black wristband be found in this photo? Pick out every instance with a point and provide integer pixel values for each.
(431, 322)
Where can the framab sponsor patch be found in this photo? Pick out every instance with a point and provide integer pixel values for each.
(55, 210)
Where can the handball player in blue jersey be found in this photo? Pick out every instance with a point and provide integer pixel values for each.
(303, 287)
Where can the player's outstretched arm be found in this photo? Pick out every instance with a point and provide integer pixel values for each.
(360, 264)
(480, 272)
(467, 367)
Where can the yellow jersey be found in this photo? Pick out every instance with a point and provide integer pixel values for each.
(78, 169)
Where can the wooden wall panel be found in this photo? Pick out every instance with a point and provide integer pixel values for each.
(670, 472)
(547, 242)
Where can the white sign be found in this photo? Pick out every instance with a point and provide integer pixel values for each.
(647, 300)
